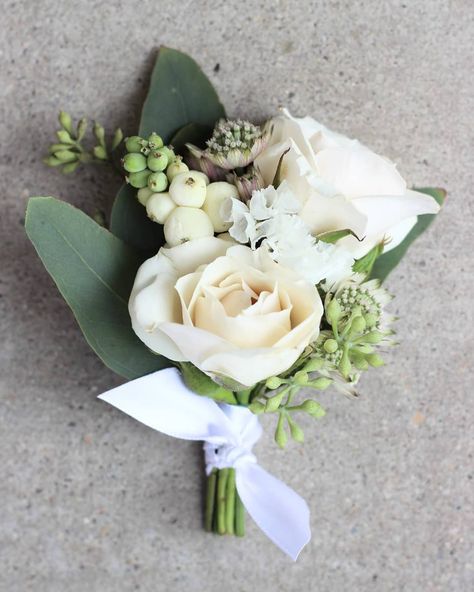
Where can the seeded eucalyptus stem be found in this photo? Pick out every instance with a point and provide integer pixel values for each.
(224, 511)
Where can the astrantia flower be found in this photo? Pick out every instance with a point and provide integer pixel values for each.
(234, 144)
(271, 217)
(358, 325)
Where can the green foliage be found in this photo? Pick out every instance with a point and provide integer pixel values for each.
(94, 271)
(366, 263)
(201, 384)
(388, 261)
(69, 153)
(179, 94)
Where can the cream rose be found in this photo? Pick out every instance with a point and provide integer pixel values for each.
(342, 184)
(231, 311)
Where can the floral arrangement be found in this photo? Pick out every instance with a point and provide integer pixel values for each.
(241, 274)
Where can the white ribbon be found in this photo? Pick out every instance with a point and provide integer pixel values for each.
(163, 402)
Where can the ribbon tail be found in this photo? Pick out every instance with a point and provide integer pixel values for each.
(280, 512)
(163, 402)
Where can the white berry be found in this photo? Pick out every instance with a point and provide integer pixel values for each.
(216, 195)
(185, 224)
(159, 206)
(143, 195)
(176, 168)
(188, 189)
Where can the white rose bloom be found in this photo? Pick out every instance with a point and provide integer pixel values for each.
(231, 311)
(340, 184)
(271, 216)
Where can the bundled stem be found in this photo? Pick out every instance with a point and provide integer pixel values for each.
(224, 513)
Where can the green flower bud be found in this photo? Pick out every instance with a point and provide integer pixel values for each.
(257, 407)
(133, 144)
(157, 161)
(100, 152)
(312, 408)
(138, 180)
(155, 141)
(70, 167)
(64, 137)
(66, 122)
(314, 364)
(358, 325)
(280, 434)
(360, 363)
(333, 311)
(375, 360)
(143, 195)
(321, 383)
(118, 137)
(99, 133)
(295, 430)
(134, 162)
(373, 337)
(157, 182)
(330, 346)
(273, 382)
(345, 365)
(364, 348)
(66, 155)
(301, 378)
(273, 403)
(57, 147)
(81, 128)
(52, 161)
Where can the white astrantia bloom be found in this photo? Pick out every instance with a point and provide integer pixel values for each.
(271, 217)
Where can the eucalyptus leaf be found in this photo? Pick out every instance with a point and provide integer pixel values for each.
(201, 384)
(129, 222)
(94, 271)
(192, 133)
(388, 261)
(179, 94)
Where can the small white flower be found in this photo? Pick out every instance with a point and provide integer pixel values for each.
(272, 218)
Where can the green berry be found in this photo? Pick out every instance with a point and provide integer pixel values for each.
(145, 150)
(133, 144)
(330, 346)
(169, 153)
(155, 141)
(157, 182)
(157, 161)
(134, 162)
(313, 408)
(139, 179)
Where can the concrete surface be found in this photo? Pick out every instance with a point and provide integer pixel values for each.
(91, 500)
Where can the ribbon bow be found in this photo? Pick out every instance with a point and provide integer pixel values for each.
(163, 402)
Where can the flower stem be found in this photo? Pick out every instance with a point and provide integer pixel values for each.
(221, 500)
(210, 500)
(230, 503)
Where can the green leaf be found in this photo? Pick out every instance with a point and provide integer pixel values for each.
(179, 94)
(201, 384)
(276, 179)
(366, 263)
(129, 222)
(334, 235)
(192, 133)
(388, 261)
(94, 271)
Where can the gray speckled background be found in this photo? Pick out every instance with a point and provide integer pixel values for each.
(90, 499)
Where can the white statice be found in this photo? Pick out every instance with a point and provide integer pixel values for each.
(271, 218)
